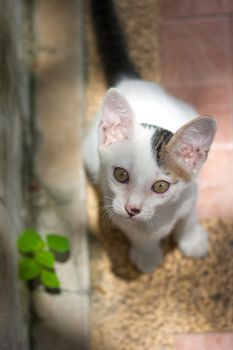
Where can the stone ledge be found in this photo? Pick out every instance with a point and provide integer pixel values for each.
(61, 320)
(60, 202)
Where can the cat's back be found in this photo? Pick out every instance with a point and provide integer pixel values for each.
(153, 105)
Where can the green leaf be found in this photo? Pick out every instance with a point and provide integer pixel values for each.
(30, 241)
(45, 259)
(49, 279)
(28, 269)
(58, 243)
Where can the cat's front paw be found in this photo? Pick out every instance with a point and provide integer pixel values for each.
(146, 261)
(195, 243)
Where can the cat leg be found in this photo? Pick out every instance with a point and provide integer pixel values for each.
(191, 237)
(146, 257)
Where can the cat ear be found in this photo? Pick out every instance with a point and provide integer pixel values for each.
(188, 148)
(117, 121)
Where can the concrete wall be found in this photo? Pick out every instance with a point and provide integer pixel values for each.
(61, 321)
(13, 115)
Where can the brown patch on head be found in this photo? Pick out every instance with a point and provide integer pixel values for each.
(170, 164)
(178, 171)
(159, 140)
(162, 142)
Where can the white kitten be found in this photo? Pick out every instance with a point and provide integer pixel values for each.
(145, 150)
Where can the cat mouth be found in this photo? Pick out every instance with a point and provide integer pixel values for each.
(127, 218)
(133, 219)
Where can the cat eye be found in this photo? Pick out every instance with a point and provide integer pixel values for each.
(160, 186)
(121, 175)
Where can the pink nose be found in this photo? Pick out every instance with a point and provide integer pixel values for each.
(132, 211)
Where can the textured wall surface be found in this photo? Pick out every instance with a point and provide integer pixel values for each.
(13, 108)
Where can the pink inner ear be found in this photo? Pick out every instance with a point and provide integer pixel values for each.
(117, 119)
(193, 143)
(192, 155)
(114, 132)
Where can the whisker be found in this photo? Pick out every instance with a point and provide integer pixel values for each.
(106, 217)
(109, 214)
(110, 198)
(159, 217)
(105, 206)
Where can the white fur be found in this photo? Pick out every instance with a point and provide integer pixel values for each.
(160, 213)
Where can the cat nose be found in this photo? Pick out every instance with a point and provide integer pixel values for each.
(132, 210)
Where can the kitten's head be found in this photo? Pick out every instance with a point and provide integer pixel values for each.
(145, 167)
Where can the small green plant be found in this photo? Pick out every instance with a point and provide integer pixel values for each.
(38, 257)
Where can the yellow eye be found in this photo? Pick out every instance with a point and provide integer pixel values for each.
(160, 186)
(121, 175)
